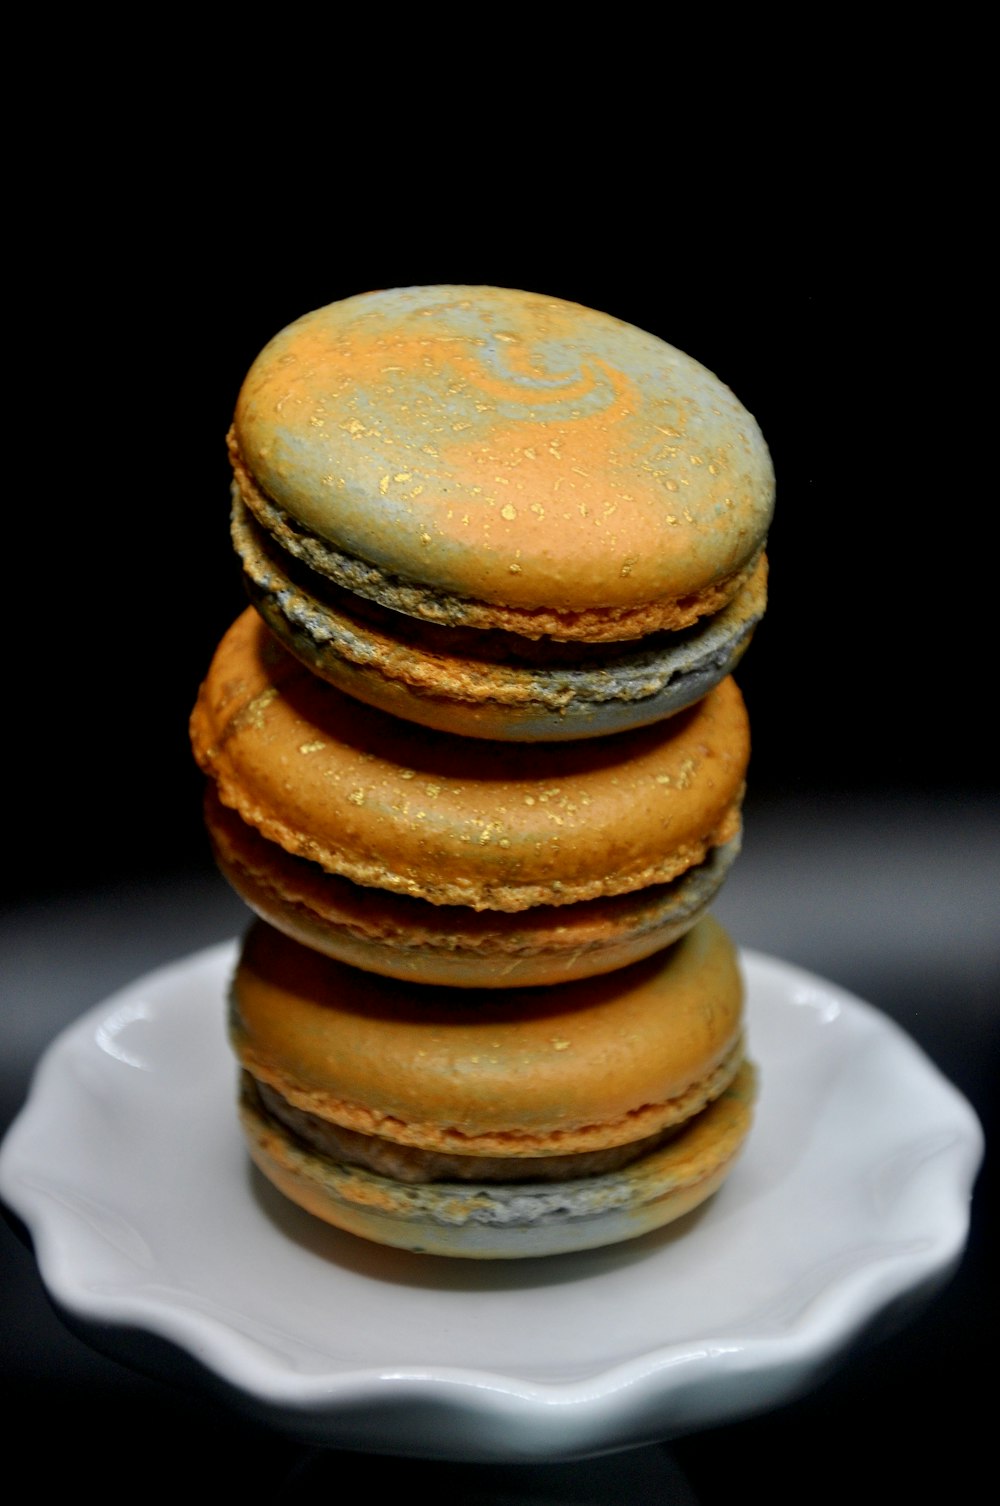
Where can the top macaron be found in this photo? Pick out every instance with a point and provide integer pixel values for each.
(501, 504)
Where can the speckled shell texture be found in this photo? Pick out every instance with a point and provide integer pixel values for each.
(452, 945)
(458, 821)
(498, 457)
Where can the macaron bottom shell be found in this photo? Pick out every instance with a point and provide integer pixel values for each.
(408, 938)
(489, 684)
(512, 1220)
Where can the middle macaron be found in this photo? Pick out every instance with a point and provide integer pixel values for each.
(457, 861)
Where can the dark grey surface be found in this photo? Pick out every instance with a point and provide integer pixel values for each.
(892, 898)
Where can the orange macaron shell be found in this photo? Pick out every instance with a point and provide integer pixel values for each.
(454, 945)
(481, 1221)
(569, 1069)
(489, 683)
(462, 821)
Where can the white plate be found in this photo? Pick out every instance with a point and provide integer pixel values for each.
(128, 1169)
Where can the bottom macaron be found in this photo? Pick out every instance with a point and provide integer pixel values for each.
(511, 1220)
(493, 1126)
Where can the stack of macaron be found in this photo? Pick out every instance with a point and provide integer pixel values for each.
(475, 760)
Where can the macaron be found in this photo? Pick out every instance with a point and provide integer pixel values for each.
(454, 861)
(471, 1123)
(498, 513)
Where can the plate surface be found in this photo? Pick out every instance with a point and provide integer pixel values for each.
(849, 1203)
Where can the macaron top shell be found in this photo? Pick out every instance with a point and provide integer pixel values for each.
(504, 458)
(571, 1067)
(455, 820)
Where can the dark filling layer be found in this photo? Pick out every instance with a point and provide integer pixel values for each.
(405, 1164)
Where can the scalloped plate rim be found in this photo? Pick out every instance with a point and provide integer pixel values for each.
(518, 1416)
